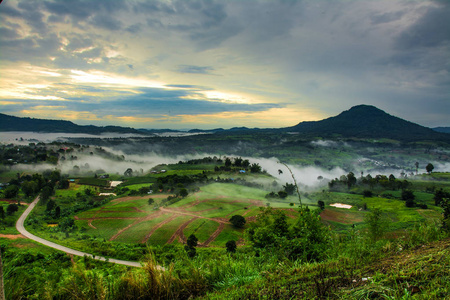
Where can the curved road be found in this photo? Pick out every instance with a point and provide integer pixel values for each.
(23, 231)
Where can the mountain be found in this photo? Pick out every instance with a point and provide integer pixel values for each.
(11, 123)
(362, 121)
(366, 121)
(442, 129)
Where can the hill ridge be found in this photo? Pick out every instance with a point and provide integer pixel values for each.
(367, 121)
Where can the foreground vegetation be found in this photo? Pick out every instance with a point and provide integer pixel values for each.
(237, 234)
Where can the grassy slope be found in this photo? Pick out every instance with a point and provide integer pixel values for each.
(418, 273)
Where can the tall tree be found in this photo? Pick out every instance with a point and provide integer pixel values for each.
(429, 168)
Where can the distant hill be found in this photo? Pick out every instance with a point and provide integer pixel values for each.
(366, 121)
(442, 129)
(11, 123)
(362, 121)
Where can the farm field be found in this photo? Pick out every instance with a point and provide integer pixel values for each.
(205, 213)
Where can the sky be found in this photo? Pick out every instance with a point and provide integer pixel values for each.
(206, 64)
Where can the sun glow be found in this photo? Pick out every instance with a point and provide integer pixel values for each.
(107, 79)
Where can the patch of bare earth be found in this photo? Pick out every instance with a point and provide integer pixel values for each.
(12, 236)
(340, 216)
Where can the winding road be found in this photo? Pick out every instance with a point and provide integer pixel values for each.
(23, 231)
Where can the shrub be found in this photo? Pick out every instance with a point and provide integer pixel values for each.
(238, 221)
(11, 209)
(306, 239)
(367, 194)
(231, 246)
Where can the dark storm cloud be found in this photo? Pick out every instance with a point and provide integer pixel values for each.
(386, 17)
(22, 49)
(7, 10)
(431, 30)
(106, 21)
(8, 33)
(194, 69)
(33, 16)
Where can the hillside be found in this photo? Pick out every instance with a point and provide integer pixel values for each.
(12, 123)
(365, 121)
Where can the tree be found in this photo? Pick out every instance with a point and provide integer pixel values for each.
(321, 204)
(282, 194)
(150, 201)
(227, 162)
(231, 246)
(289, 188)
(367, 194)
(128, 172)
(255, 168)
(2, 212)
(429, 168)
(64, 184)
(46, 192)
(183, 193)
(50, 205)
(238, 221)
(306, 239)
(191, 243)
(351, 179)
(377, 224)
(57, 212)
(408, 195)
(439, 195)
(11, 191)
(29, 188)
(445, 204)
(11, 209)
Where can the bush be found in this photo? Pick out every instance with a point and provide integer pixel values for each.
(306, 239)
(238, 221)
(367, 194)
(231, 246)
(11, 209)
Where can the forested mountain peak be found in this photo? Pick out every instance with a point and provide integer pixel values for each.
(366, 121)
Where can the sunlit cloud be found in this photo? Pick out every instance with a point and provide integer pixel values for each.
(99, 77)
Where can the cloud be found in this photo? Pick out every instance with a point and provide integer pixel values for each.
(321, 57)
(194, 69)
(431, 30)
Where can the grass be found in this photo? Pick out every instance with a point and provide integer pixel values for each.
(201, 228)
